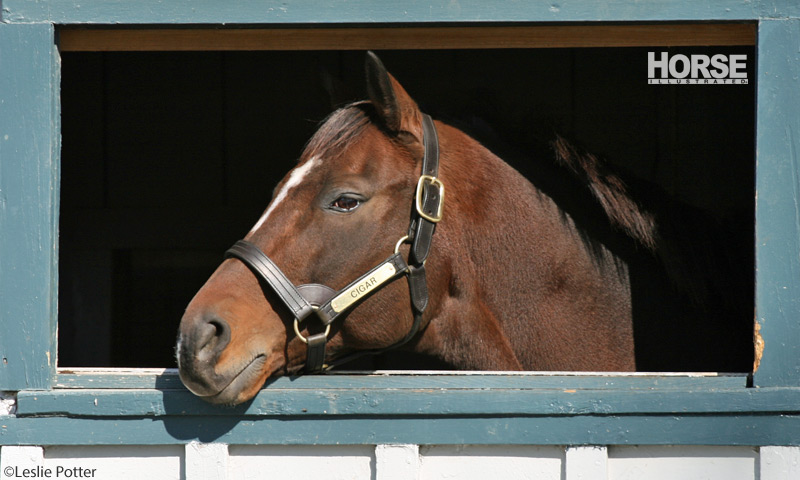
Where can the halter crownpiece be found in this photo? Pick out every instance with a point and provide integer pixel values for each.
(327, 304)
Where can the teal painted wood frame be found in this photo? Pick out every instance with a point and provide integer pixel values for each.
(778, 201)
(371, 12)
(152, 408)
(29, 181)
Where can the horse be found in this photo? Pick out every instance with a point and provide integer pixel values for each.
(500, 276)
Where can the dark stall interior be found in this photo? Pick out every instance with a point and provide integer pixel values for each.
(170, 157)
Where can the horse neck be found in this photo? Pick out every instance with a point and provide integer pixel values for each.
(520, 258)
(492, 205)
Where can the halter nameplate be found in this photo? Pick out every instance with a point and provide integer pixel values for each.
(354, 293)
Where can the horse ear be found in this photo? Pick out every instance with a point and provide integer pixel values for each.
(396, 108)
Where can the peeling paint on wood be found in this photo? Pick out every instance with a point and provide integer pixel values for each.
(370, 401)
(758, 342)
(293, 12)
(8, 404)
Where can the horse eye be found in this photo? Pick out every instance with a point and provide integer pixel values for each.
(345, 204)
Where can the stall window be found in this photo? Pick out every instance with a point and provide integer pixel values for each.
(169, 157)
(146, 202)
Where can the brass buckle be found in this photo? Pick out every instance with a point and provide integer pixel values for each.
(434, 181)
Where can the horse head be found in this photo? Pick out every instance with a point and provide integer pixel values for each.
(337, 214)
(513, 281)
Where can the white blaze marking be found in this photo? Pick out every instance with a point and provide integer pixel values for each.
(295, 177)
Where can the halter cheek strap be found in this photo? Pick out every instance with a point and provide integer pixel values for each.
(429, 201)
(304, 300)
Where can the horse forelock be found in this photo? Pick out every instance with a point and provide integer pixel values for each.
(610, 192)
(338, 130)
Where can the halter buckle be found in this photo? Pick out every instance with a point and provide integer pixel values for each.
(434, 182)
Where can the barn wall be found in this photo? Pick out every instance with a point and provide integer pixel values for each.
(407, 462)
(24, 144)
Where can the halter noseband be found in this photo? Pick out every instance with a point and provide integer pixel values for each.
(327, 304)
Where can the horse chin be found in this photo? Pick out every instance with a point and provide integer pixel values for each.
(243, 386)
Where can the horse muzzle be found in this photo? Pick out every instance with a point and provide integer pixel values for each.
(201, 343)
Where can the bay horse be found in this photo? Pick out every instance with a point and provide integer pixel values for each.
(500, 276)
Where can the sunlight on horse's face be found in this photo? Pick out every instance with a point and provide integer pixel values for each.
(333, 217)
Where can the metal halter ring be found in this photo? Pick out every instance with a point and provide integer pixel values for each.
(304, 339)
(400, 242)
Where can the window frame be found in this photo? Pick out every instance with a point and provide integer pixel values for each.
(145, 406)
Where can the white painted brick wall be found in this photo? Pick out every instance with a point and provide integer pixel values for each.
(397, 462)
(197, 461)
(586, 463)
(295, 462)
(682, 462)
(480, 462)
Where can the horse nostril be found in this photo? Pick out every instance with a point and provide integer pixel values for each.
(201, 341)
(213, 337)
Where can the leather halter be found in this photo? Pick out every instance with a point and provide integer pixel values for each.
(304, 300)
